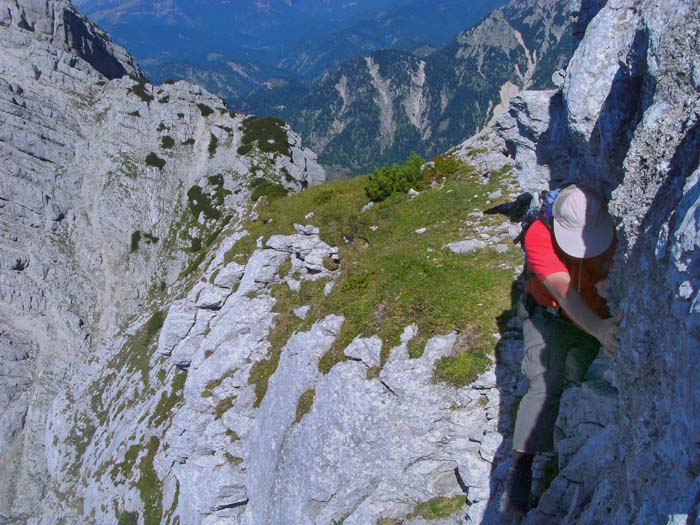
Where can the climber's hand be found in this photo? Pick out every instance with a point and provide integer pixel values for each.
(608, 331)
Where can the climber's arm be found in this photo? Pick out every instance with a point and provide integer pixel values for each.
(605, 330)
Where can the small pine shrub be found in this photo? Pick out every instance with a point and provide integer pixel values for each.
(155, 161)
(168, 81)
(213, 144)
(136, 113)
(386, 181)
(161, 127)
(135, 240)
(188, 142)
(164, 100)
(180, 115)
(140, 91)
(167, 142)
(205, 110)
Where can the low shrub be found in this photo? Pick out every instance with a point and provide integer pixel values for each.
(386, 181)
(139, 89)
(167, 142)
(213, 144)
(188, 142)
(205, 110)
(135, 240)
(155, 161)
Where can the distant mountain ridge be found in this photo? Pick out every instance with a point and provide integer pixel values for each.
(378, 108)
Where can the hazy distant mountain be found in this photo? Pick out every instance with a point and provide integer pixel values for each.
(376, 109)
(420, 25)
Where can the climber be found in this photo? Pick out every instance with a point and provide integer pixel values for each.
(568, 254)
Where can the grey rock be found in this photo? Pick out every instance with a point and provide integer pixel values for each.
(178, 323)
(212, 297)
(468, 246)
(302, 311)
(367, 350)
(230, 275)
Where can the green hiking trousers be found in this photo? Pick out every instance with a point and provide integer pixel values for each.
(557, 353)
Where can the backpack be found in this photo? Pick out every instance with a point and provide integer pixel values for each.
(544, 213)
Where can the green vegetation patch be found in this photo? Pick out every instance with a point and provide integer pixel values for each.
(168, 81)
(128, 518)
(245, 149)
(390, 275)
(155, 161)
(139, 89)
(136, 113)
(149, 485)
(135, 240)
(438, 508)
(306, 401)
(205, 110)
(188, 142)
(136, 354)
(200, 202)
(400, 178)
(168, 401)
(286, 323)
(167, 142)
(262, 187)
(213, 145)
(267, 132)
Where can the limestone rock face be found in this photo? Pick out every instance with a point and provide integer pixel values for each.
(109, 188)
(626, 122)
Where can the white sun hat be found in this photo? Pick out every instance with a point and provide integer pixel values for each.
(582, 226)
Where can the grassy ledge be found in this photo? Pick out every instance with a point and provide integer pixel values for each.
(392, 276)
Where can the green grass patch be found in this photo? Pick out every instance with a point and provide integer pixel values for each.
(213, 144)
(224, 406)
(205, 110)
(155, 161)
(128, 518)
(286, 323)
(149, 485)
(267, 132)
(438, 508)
(306, 401)
(393, 277)
(168, 401)
(460, 370)
(262, 187)
(167, 142)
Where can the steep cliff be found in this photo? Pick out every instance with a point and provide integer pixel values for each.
(101, 175)
(181, 343)
(626, 122)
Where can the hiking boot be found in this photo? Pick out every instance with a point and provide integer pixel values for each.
(514, 502)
